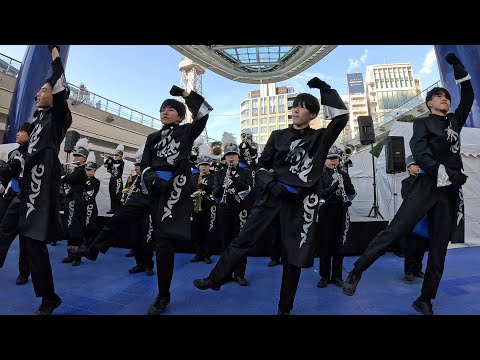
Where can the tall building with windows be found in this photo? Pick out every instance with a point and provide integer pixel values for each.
(388, 87)
(269, 109)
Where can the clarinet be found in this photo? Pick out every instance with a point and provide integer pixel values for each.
(345, 200)
(223, 202)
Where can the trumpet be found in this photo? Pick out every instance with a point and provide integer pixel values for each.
(346, 201)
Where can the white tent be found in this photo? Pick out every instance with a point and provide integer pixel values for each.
(362, 178)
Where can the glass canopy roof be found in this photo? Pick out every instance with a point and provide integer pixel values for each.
(255, 64)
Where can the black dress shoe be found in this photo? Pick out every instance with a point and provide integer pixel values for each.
(350, 285)
(47, 306)
(409, 277)
(323, 282)
(283, 312)
(419, 274)
(89, 252)
(136, 269)
(196, 259)
(204, 284)
(158, 307)
(22, 279)
(208, 260)
(273, 263)
(67, 260)
(77, 261)
(423, 307)
(337, 281)
(241, 281)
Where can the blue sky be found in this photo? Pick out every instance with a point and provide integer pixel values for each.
(140, 76)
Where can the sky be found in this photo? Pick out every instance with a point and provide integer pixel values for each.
(140, 76)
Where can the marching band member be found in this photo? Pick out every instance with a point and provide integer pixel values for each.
(202, 186)
(115, 167)
(248, 150)
(92, 187)
(289, 172)
(333, 219)
(435, 146)
(75, 210)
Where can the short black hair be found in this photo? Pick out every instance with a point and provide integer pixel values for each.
(307, 101)
(177, 105)
(436, 91)
(24, 127)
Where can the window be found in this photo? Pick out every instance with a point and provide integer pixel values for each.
(255, 130)
(273, 127)
(263, 120)
(254, 121)
(263, 139)
(273, 119)
(281, 118)
(255, 138)
(281, 126)
(263, 129)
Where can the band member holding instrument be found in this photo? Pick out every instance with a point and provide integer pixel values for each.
(289, 173)
(166, 175)
(202, 186)
(435, 146)
(75, 209)
(248, 150)
(333, 219)
(115, 167)
(12, 174)
(233, 184)
(92, 187)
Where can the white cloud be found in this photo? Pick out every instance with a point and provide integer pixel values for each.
(355, 63)
(428, 62)
(364, 57)
(299, 82)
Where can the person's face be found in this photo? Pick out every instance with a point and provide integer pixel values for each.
(204, 169)
(90, 172)
(233, 158)
(439, 104)
(22, 137)
(414, 169)
(301, 117)
(118, 157)
(44, 97)
(137, 169)
(169, 116)
(331, 163)
(81, 160)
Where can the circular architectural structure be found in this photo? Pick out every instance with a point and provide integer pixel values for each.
(255, 64)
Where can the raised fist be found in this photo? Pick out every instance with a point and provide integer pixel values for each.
(318, 84)
(176, 91)
(51, 47)
(452, 59)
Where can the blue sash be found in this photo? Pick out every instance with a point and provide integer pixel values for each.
(14, 186)
(290, 188)
(243, 165)
(165, 175)
(195, 171)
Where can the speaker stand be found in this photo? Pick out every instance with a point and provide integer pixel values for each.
(394, 193)
(374, 209)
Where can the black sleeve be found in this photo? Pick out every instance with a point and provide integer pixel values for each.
(61, 111)
(268, 154)
(348, 186)
(466, 102)
(120, 168)
(405, 186)
(421, 152)
(217, 185)
(329, 191)
(96, 187)
(74, 178)
(243, 184)
(149, 175)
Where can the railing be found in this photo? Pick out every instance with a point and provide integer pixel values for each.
(79, 95)
(392, 114)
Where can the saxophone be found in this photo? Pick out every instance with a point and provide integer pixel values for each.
(197, 196)
(346, 201)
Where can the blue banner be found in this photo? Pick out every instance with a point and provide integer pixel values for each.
(355, 83)
(469, 55)
(36, 68)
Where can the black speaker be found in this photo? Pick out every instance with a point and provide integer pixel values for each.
(71, 138)
(395, 154)
(365, 129)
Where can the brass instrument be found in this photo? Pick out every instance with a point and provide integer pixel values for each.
(346, 201)
(216, 150)
(223, 202)
(132, 188)
(197, 196)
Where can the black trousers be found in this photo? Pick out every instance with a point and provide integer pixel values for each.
(135, 209)
(262, 214)
(274, 233)
(332, 224)
(41, 270)
(142, 249)
(115, 187)
(200, 235)
(8, 233)
(440, 204)
(415, 246)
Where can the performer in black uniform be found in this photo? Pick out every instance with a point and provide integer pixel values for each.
(415, 242)
(232, 185)
(92, 187)
(333, 219)
(202, 187)
(289, 173)
(115, 168)
(435, 145)
(39, 214)
(12, 173)
(166, 175)
(248, 150)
